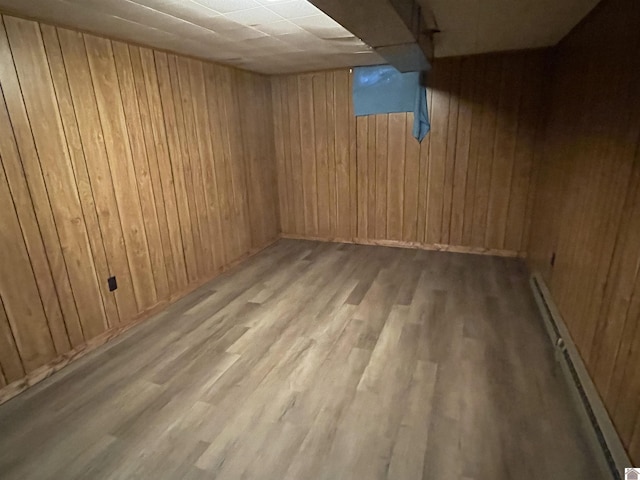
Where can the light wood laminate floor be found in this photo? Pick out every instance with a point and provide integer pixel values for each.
(316, 361)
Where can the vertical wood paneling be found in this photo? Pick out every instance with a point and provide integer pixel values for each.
(280, 132)
(182, 171)
(486, 149)
(371, 178)
(237, 164)
(24, 161)
(523, 167)
(411, 183)
(395, 175)
(587, 206)
(265, 200)
(97, 164)
(440, 81)
(141, 167)
(37, 91)
(205, 151)
(193, 168)
(36, 244)
(475, 141)
(308, 155)
(381, 132)
(119, 161)
(614, 342)
(462, 146)
(221, 154)
(164, 181)
(174, 169)
(10, 361)
(353, 159)
(320, 130)
(343, 156)
(292, 101)
(262, 191)
(504, 150)
(423, 179)
(76, 152)
(28, 321)
(467, 185)
(289, 160)
(152, 153)
(111, 112)
(362, 155)
(451, 158)
(331, 154)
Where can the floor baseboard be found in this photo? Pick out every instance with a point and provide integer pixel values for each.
(416, 245)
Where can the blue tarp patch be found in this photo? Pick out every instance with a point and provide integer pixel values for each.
(382, 89)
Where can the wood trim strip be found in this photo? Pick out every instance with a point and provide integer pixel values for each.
(415, 245)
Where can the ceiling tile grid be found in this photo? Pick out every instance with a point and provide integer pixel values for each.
(267, 36)
(284, 36)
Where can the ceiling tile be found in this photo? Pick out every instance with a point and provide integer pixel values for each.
(279, 28)
(227, 6)
(295, 9)
(154, 3)
(260, 46)
(272, 2)
(254, 16)
(468, 26)
(261, 42)
(247, 33)
(301, 39)
(220, 24)
(190, 11)
(316, 22)
(243, 34)
(206, 36)
(334, 32)
(122, 8)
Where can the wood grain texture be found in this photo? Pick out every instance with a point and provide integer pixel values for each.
(78, 160)
(40, 102)
(587, 208)
(466, 185)
(96, 163)
(257, 139)
(408, 364)
(28, 320)
(111, 112)
(36, 242)
(119, 160)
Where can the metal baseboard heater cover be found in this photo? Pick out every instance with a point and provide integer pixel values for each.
(604, 436)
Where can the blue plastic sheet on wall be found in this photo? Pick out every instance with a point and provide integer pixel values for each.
(382, 89)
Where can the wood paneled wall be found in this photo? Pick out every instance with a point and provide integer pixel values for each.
(119, 160)
(469, 184)
(587, 209)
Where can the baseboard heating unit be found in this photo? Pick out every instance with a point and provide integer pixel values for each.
(593, 411)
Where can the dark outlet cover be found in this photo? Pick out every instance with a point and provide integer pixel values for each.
(112, 283)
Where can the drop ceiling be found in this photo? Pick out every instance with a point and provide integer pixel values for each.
(281, 36)
(268, 36)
